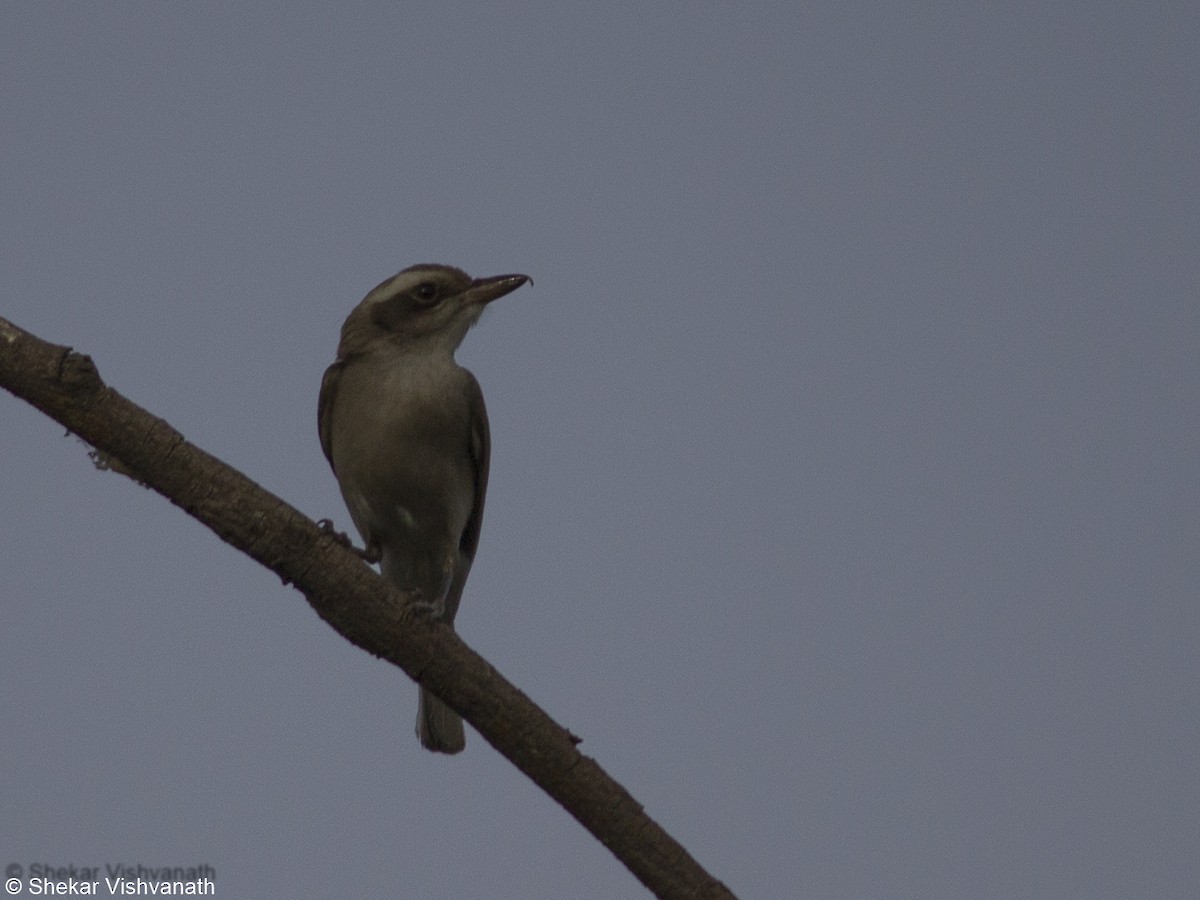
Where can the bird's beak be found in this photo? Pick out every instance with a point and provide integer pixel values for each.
(485, 290)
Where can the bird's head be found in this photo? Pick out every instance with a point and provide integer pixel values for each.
(424, 305)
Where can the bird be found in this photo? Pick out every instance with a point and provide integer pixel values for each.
(405, 429)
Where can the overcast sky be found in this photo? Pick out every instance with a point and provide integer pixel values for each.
(844, 490)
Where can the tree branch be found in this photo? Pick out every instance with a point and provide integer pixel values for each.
(351, 597)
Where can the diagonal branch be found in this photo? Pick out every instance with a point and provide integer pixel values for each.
(349, 596)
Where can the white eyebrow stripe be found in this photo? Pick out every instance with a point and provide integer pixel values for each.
(398, 284)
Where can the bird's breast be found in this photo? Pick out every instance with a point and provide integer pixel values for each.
(401, 448)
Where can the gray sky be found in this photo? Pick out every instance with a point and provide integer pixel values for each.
(844, 491)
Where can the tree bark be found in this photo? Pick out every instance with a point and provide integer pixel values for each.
(351, 597)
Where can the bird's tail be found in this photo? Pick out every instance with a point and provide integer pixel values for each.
(438, 726)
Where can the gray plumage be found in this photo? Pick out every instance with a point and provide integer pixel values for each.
(405, 429)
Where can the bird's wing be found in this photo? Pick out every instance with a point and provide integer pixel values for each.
(329, 388)
(481, 452)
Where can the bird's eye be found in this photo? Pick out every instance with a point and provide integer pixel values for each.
(425, 292)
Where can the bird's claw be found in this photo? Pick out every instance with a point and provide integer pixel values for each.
(370, 554)
(415, 603)
(435, 609)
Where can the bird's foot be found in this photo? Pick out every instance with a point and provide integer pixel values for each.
(435, 609)
(369, 554)
(326, 526)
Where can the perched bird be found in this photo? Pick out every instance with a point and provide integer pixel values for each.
(406, 432)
